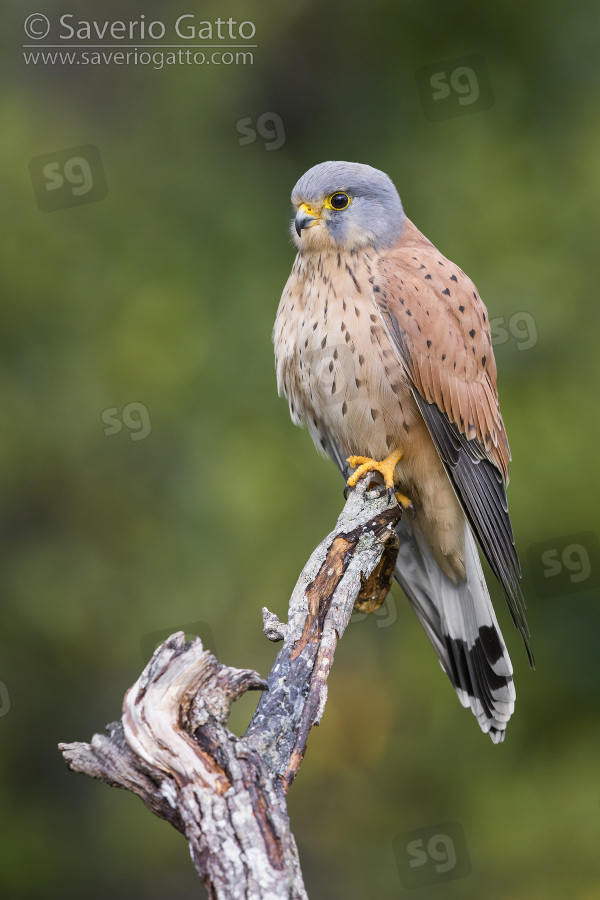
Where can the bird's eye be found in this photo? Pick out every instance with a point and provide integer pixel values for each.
(339, 200)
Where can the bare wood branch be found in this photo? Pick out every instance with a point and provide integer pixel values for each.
(173, 748)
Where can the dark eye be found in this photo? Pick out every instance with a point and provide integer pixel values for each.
(339, 200)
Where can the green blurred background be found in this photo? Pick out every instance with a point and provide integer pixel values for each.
(163, 294)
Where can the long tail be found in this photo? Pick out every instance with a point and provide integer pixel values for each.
(461, 624)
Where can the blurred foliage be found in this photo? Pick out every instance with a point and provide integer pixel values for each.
(164, 294)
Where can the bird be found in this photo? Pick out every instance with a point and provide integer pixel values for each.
(383, 351)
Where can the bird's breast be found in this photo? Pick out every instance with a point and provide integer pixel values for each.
(335, 362)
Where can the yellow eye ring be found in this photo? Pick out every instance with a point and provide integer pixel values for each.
(338, 201)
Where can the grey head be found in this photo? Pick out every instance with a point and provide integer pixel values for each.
(346, 206)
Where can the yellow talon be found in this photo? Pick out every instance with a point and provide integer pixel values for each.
(386, 468)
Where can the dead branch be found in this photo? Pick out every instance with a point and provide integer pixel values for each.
(226, 794)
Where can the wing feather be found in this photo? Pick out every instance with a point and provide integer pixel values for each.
(439, 328)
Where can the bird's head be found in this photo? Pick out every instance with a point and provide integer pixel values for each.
(346, 206)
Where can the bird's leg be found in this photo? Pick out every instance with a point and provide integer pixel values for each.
(364, 464)
(386, 468)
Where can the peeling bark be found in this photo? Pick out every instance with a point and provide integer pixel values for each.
(226, 794)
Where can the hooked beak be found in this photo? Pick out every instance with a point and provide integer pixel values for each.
(305, 217)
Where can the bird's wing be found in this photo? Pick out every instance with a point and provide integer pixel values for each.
(439, 328)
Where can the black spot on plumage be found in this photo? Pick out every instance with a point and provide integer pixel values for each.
(335, 353)
(429, 343)
(331, 366)
(374, 414)
(446, 292)
(453, 278)
(315, 326)
(462, 309)
(351, 273)
(443, 357)
(428, 277)
(361, 359)
(475, 295)
(483, 359)
(344, 305)
(375, 289)
(333, 388)
(440, 263)
(373, 317)
(408, 312)
(484, 318)
(348, 338)
(472, 332)
(344, 408)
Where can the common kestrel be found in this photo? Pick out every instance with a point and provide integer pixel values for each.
(384, 352)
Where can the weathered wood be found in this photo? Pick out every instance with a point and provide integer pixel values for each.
(225, 793)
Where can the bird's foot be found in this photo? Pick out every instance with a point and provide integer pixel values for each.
(385, 467)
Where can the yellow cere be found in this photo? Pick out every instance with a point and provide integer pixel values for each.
(308, 209)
